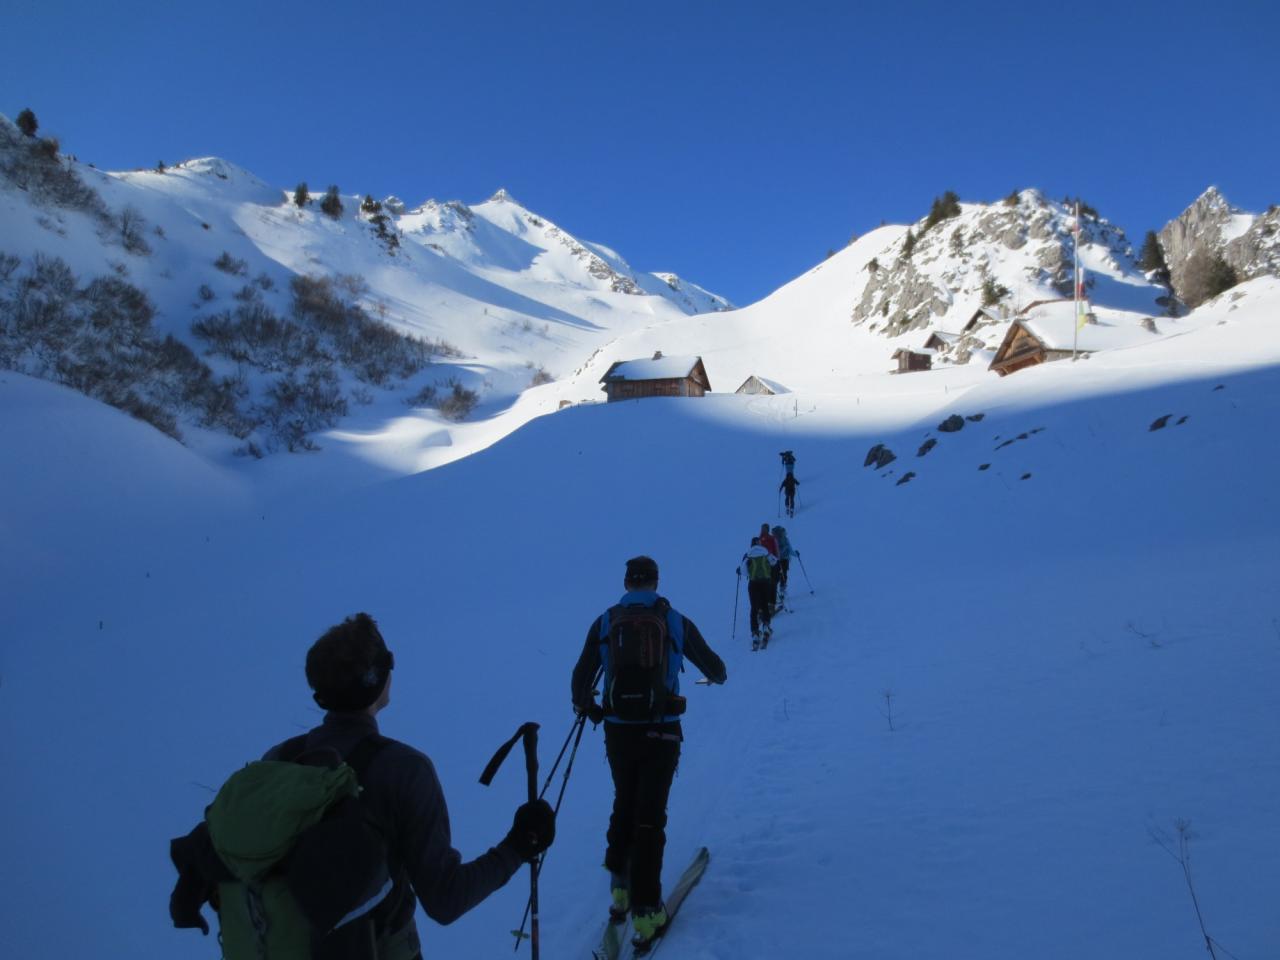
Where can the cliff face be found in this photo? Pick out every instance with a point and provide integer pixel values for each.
(1249, 243)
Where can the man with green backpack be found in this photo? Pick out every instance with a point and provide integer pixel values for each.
(321, 850)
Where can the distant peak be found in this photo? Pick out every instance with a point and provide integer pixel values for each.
(502, 197)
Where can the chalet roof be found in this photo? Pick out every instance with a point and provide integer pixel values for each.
(659, 368)
(773, 385)
(1053, 323)
(942, 337)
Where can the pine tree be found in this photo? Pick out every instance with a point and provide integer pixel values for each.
(944, 208)
(908, 244)
(332, 203)
(27, 122)
(993, 292)
(301, 196)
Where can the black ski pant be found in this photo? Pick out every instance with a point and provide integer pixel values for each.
(642, 759)
(783, 567)
(761, 594)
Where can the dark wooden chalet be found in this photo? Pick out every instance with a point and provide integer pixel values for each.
(909, 361)
(656, 377)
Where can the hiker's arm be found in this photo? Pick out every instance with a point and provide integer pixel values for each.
(446, 887)
(701, 655)
(584, 674)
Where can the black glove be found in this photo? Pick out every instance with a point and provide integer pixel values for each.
(532, 830)
(592, 711)
(738, 571)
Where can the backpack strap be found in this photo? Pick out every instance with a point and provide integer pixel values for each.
(362, 753)
(293, 748)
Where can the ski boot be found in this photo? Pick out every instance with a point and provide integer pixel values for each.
(620, 893)
(755, 639)
(768, 632)
(649, 924)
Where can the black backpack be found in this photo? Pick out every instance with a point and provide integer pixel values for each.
(637, 685)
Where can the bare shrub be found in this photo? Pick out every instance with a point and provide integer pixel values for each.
(229, 264)
(460, 401)
(35, 166)
(98, 339)
(426, 397)
(253, 334)
(132, 226)
(299, 407)
(1204, 276)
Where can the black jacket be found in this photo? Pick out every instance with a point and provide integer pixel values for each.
(403, 793)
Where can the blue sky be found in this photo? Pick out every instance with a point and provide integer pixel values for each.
(732, 143)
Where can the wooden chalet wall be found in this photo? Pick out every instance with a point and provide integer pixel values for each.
(909, 361)
(635, 389)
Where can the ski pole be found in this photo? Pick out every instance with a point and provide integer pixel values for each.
(779, 501)
(529, 733)
(806, 572)
(736, 590)
(579, 725)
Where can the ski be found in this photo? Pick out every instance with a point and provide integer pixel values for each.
(612, 940)
(688, 880)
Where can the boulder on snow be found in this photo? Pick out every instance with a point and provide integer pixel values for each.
(880, 455)
(1159, 423)
(927, 446)
(952, 424)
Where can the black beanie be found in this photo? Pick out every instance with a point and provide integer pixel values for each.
(642, 570)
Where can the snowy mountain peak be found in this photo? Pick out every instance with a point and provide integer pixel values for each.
(1211, 228)
(501, 196)
(1002, 255)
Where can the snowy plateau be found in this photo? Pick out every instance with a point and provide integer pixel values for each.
(1025, 699)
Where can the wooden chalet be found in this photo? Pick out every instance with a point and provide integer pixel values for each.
(980, 316)
(940, 341)
(760, 386)
(910, 361)
(656, 377)
(1041, 333)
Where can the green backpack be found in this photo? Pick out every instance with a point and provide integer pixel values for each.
(308, 867)
(759, 568)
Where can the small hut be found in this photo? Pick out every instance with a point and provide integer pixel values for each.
(910, 361)
(658, 376)
(983, 315)
(760, 386)
(939, 341)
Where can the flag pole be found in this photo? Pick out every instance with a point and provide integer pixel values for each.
(1075, 286)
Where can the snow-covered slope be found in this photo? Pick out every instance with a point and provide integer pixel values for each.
(1000, 678)
(503, 297)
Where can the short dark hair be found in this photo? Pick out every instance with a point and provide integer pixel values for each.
(641, 570)
(348, 666)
